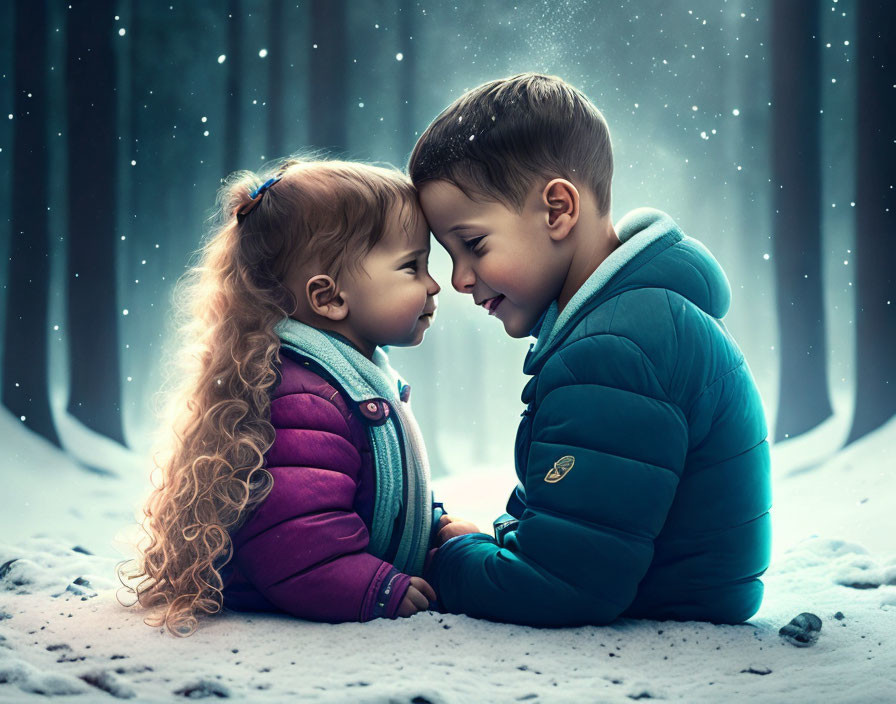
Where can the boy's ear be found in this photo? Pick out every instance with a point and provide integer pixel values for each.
(325, 299)
(562, 201)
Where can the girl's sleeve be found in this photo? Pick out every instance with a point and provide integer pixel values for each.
(304, 548)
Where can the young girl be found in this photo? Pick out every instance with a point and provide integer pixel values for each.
(297, 479)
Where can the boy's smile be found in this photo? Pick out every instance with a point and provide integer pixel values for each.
(511, 263)
(491, 304)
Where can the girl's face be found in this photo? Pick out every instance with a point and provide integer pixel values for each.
(391, 297)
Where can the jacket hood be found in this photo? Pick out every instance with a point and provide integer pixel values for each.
(654, 253)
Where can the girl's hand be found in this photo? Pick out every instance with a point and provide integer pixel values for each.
(450, 527)
(417, 597)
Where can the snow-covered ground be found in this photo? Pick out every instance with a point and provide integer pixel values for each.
(62, 631)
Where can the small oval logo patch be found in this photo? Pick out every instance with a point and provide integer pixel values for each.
(560, 469)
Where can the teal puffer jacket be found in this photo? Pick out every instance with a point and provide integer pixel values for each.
(642, 456)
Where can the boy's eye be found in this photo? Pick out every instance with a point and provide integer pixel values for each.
(410, 265)
(471, 243)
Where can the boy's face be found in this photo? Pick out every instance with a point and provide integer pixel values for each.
(507, 261)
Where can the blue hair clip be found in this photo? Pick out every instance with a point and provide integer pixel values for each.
(265, 186)
(255, 198)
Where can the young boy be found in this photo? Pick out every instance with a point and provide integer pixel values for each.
(642, 456)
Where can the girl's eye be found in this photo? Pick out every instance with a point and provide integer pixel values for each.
(472, 243)
(410, 265)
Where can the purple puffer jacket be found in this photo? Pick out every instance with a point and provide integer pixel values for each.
(303, 550)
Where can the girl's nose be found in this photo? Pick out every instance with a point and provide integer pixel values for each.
(434, 287)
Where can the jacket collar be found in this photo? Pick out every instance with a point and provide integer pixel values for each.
(637, 231)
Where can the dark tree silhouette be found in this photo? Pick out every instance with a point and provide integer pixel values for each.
(233, 126)
(277, 79)
(875, 254)
(803, 401)
(95, 379)
(327, 80)
(25, 337)
(407, 75)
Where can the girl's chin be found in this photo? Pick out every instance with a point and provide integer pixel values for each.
(411, 336)
(411, 340)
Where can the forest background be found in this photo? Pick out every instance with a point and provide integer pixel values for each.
(765, 129)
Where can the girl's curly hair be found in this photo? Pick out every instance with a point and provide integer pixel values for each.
(209, 474)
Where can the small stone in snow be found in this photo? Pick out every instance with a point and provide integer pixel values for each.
(204, 689)
(861, 585)
(760, 670)
(839, 616)
(5, 567)
(109, 683)
(80, 587)
(802, 631)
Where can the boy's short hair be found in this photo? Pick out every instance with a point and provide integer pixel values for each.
(494, 140)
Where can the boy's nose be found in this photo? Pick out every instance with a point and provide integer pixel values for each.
(462, 279)
(434, 287)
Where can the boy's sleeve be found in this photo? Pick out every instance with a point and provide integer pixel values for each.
(516, 504)
(585, 539)
(438, 510)
(304, 548)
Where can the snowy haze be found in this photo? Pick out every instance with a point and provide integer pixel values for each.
(685, 89)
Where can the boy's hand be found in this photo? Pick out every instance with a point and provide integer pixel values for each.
(417, 597)
(450, 527)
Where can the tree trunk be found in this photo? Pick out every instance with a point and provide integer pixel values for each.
(233, 131)
(25, 338)
(95, 378)
(407, 76)
(803, 402)
(875, 254)
(327, 81)
(277, 80)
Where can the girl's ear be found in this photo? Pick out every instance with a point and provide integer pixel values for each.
(561, 200)
(324, 298)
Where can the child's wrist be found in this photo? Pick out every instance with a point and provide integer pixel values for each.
(397, 591)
